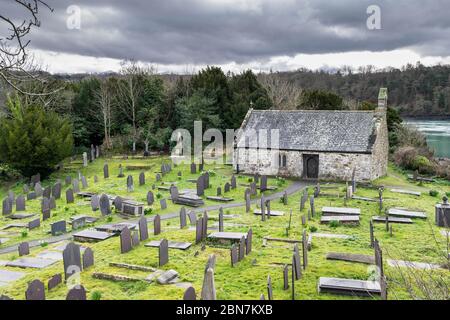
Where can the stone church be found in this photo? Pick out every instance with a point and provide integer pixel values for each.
(324, 145)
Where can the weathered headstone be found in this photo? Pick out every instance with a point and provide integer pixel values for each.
(305, 249)
(193, 168)
(174, 194)
(158, 177)
(208, 288)
(163, 252)
(56, 190)
(38, 189)
(105, 207)
(72, 260)
(142, 179)
(163, 204)
(121, 175)
(263, 184)
(47, 192)
(205, 225)
(143, 228)
(25, 189)
(77, 293)
(45, 208)
(6, 207)
(221, 220)
(296, 263)
(88, 258)
(219, 191)
(248, 242)
(125, 240)
(199, 230)
(130, 185)
(157, 225)
(20, 203)
(85, 159)
(242, 248)
(233, 182)
(269, 288)
(95, 202)
(31, 196)
(234, 254)
(24, 249)
(135, 241)
(69, 196)
(68, 180)
(192, 218)
(313, 209)
(182, 218)
(200, 186)
(54, 281)
(78, 223)
(58, 228)
(76, 185)
(34, 224)
(52, 202)
(226, 188)
(106, 171)
(285, 198)
(35, 291)
(247, 200)
(285, 277)
(150, 198)
(189, 294)
(118, 203)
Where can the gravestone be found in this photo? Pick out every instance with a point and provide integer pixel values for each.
(95, 202)
(208, 288)
(296, 263)
(20, 203)
(380, 200)
(242, 248)
(182, 218)
(38, 189)
(97, 151)
(303, 220)
(58, 228)
(45, 208)
(35, 291)
(135, 238)
(157, 225)
(143, 228)
(130, 185)
(285, 198)
(47, 192)
(54, 281)
(193, 168)
(158, 177)
(77, 293)
(76, 185)
(69, 196)
(88, 258)
(6, 207)
(263, 184)
(226, 188)
(68, 180)
(305, 249)
(293, 280)
(221, 220)
(163, 204)
(442, 213)
(313, 209)
(72, 260)
(205, 225)
(201, 167)
(372, 237)
(84, 183)
(125, 240)
(85, 159)
(52, 202)
(78, 223)
(25, 189)
(234, 254)
(199, 230)
(189, 294)
(121, 175)
(247, 200)
(106, 171)
(269, 288)
(150, 198)
(163, 252)
(192, 218)
(233, 182)
(174, 193)
(24, 249)
(253, 188)
(200, 186)
(31, 196)
(142, 179)
(219, 191)
(34, 224)
(248, 242)
(105, 207)
(285, 277)
(56, 190)
(118, 203)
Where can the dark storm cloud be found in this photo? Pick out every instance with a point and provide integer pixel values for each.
(222, 31)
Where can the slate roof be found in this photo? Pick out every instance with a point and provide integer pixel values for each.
(320, 131)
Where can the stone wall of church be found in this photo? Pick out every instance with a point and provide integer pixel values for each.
(332, 166)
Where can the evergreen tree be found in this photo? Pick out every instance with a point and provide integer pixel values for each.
(33, 140)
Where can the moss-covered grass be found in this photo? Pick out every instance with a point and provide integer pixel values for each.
(417, 242)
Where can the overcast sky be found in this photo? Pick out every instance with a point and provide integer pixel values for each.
(185, 35)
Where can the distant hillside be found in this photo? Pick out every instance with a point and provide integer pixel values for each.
(414, 90)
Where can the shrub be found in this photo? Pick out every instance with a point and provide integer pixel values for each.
(24, 234)
(96, 295)
(313, 229)
(148, 211)
(334, 224)
(447, 194)
(33, 140)
(434, 193)
(158, 195)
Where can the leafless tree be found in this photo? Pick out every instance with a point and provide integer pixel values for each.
(16, 65)
(105, 102)
(284, 94)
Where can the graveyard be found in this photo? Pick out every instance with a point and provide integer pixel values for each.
(189, 239)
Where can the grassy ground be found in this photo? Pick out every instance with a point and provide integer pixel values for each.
(418, 242)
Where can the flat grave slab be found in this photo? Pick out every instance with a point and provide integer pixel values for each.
(116, 227)
(331, 236)
(21, 216)
(85, 194)
(6, 277)
(273, 213)
(52, 255)
(365, 199)
(349, 286)
(403, 213)
(3, 240)
(351, 257)
(235, 236)
(409, 192)
(91, 235)
(220, 199)
(392, 220)
(29, 262)
(172, 245)
(88, 219)
(413, 265)
(15, 225)
(341, 219)
(333, 211)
